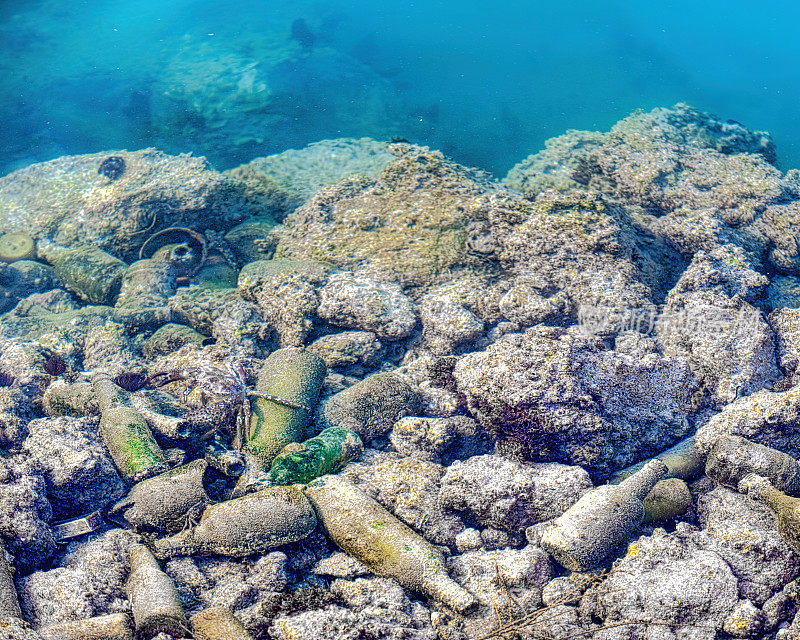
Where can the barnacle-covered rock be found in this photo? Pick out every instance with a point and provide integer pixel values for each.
(89, 580)
(708, 320)
(410, 225)
(25, 512)
(508, 495)
(286, 293)
(347, 300)
(79, 472)
(567, 160)
(156, 191)
(765, 417)
(560, 396)
(371, 406)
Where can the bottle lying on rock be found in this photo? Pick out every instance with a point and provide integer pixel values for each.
(603, 518)
(364, 529)
(154, 599)
(785, 507)
(734, 457)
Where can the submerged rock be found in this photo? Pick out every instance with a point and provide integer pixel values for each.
(559, 396)
(155, 192)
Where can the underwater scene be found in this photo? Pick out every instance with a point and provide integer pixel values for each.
(402, 321)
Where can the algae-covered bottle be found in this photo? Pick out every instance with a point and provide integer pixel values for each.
(602, 519)
(301, 462)
(251, 524)
(364, 529)
(87, 270)
(9, 603)
(293, 377)
(154, 599)
(734, 457)
(125, 432)
(785, 507)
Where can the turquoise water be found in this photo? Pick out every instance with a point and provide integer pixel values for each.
(485, 83)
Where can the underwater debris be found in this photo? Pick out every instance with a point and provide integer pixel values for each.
(287, 391)
(113, 626)
(243, 526)
(112, 167)
(733, 457)
(175, 236)
(217, 623)
(586, 533)
(125, 432)
(785, 507)
(17, 246)
(361, 527)
(154, 599)
(85, 269)
(301, 462)
(165, 502)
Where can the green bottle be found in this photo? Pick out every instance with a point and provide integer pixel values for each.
(301, 462)
(287, 391)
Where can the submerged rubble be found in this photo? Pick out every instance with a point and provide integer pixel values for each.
(360, 391)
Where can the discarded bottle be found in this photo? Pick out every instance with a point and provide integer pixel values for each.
(227, 461)
(125, 432)
(9, 602)
(683, 461)
(585, 534)
(69, 399)
(301, 462)
(114, 626)
(217, 623)
(85, 269)
(295, 376)
(364, 529)
(667, 500)
(153, 596)
(733, 457)
(164, 502)
(152, 281)
(251, 524)
(786, 508)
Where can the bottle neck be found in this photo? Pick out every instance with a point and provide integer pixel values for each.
(640, 483)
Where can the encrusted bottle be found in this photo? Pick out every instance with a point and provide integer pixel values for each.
(785, 507)
(585, 534)
(734, 457)
(9, 603)
(154, 599)
(368, 532)
(301, 462)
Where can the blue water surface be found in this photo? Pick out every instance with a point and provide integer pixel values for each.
(487, 83)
